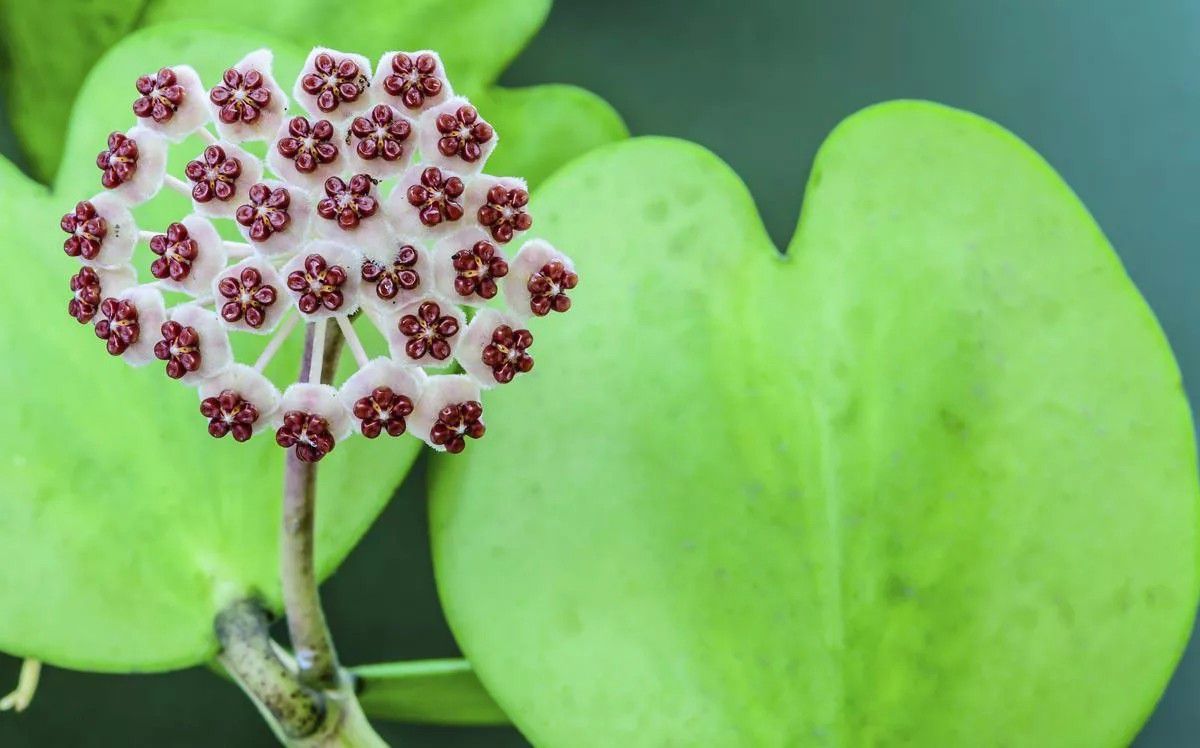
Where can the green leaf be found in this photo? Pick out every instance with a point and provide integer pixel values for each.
(124, 526)
(476, 38)
(928, 480)
(442, 692)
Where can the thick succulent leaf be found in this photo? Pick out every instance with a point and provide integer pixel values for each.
(54, 43)
(49, 46)
(928, 480)
(442, 692)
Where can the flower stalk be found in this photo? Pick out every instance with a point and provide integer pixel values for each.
(315, 656)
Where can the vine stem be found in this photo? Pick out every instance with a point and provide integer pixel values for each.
(316, 659)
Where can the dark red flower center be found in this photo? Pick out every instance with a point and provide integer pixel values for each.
(348, 203)
(119, 161)
(381, 135)
(214, 174)
(319, 284)
(179, 347)
(436, 197)
(463, 133)
(428, 332)
(266, 212)
(503, 212)
(413, 79)
(548, 288)
(455, 423)
(229, 413)
(308, 145)
(390, 279)
(161, 96)
(246, 297)
(118, 325)
(333, 81)
(240, 96)
(86, 295)
(383, 410)
(87, 230)
(507, 353)
(176, 252)
(308, 433)
(477, 268)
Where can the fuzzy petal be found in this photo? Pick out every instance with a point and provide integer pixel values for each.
(152, 313)
(211, 257)
(343, 109)
(463, 161)
(410, 104)
(147, 179)
(317, 399)
(477, 337)
(122, 232)
(215, 352)
(268, 277)
(533, 256)
(334, 254)
(192, 112)
(443, 265)
(440, 391)
(251, 386)
(269, 116)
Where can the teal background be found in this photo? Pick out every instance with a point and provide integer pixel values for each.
(1107, 91)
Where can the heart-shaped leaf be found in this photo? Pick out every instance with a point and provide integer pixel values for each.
(124, 526)
(442, 692)
(927, 480)
(476, 39)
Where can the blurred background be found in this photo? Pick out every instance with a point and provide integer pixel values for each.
(1107, 91)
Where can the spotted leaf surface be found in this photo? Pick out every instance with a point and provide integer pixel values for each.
(927, 480)
(127, 524)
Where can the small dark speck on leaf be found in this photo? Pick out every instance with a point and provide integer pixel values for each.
(952, 423)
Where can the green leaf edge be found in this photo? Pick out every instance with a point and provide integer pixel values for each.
(442, 482)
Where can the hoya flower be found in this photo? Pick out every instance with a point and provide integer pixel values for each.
(496, 348)
(449, 413)
(170, 102)
(412, 81)
(248, 104)
(221, 178)
(469, 267)
(305, 152)
(427, 202)
(372, 197)
(274, 217)
(455, 136)
(381, 142)
(500, 206)
(188, 255)
(540, 280)
(100, 231)
(133, 165)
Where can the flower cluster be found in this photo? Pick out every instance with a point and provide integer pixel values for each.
(371, 203)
